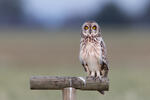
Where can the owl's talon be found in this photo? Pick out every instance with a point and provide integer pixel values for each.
(99, 77)
(94, 78)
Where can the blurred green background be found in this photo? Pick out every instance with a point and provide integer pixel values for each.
(35, 40)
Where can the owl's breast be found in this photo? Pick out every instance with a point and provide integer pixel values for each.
(90, 51)
(90, 54)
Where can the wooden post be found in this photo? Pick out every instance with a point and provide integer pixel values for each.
(68, 85)
(69, 93)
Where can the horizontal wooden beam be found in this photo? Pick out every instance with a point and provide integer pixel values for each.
(59, 83)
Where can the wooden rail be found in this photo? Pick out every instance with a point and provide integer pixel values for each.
(68, 84)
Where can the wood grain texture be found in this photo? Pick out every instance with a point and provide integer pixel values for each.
(59, 83)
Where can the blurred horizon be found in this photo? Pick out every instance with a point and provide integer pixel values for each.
(56, 15)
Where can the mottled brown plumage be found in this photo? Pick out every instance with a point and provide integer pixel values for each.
(93, 51)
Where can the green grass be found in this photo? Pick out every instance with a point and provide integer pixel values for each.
(22, 56)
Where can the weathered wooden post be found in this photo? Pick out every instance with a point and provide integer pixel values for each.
(68, 85)
(69, 93)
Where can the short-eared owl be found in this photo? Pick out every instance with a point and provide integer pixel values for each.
(93, 51)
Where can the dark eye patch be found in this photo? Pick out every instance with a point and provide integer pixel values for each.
(94, 27)
(86, 27)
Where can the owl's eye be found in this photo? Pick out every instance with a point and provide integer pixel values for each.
(86, 27)
(94, 27)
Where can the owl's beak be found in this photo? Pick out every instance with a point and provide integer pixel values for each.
(90, 30)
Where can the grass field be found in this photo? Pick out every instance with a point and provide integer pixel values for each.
(23, 55)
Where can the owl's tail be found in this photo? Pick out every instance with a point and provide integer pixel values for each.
(102, 92)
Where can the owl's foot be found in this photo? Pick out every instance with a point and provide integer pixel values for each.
(96, 75)
(96, 78)
(92, 75)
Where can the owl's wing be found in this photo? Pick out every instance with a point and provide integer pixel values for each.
(104, 54)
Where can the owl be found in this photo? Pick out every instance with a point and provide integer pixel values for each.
(93, 51)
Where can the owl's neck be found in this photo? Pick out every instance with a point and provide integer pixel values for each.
(91, 39)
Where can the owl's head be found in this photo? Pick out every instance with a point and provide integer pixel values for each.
(90, 28)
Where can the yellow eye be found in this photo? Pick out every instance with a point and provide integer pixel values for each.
(94, 27)
(86, 27)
